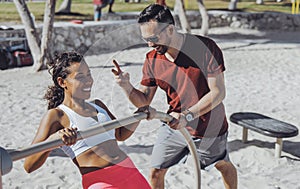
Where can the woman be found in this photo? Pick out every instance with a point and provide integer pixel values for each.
(99, 159)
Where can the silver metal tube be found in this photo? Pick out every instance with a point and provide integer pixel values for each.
(104, 127)
(166, 117)
(97, 129)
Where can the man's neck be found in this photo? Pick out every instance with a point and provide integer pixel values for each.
(175, 47)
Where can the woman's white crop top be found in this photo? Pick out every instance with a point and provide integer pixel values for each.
(83, 123)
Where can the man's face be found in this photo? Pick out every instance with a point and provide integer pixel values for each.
(156, 36)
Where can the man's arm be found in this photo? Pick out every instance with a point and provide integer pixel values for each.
(208, 102)
(139, 97)
(213, 98)
(142, 96)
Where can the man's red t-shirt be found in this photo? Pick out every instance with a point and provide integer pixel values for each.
(185, 81)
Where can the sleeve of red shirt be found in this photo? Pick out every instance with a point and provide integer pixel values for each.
(214, 58)
(148, 77)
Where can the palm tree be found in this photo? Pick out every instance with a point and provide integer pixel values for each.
(38, 47)
(65, 7)
(232, 5)
(180, 10)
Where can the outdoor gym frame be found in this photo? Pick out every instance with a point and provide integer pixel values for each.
(7, 158)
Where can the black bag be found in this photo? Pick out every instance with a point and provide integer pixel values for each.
(4, 60)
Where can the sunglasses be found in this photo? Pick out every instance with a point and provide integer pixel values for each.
(154, 39)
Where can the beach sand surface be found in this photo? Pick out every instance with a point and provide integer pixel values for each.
(262, 75)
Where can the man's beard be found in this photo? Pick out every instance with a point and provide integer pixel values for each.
(161, 49)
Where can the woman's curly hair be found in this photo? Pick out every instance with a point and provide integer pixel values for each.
(59, 68)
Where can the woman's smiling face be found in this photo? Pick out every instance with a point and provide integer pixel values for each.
(79, 81)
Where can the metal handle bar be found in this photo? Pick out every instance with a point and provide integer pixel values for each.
(101, 128)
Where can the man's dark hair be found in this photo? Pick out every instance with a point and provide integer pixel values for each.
(156, 12)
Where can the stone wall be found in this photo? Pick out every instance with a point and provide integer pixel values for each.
(89, 38)
(258, 21)
(217, 18)
(121, 31)
(94, 38)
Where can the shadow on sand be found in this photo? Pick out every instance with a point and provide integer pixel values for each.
(268, 36)
(137, 148)
(141, 149)
(288, 147)
(125, 64)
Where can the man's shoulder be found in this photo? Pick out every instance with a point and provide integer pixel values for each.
(201, 42)
(151, 54)
(200, 38)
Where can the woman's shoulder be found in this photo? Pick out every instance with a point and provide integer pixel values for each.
(55, 115)
(99, 103)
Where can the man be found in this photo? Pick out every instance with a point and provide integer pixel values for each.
(189, 69)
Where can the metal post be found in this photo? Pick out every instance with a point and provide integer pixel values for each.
(0, 173)
(245, 135)
(293, 6)
(278, 147)
(104, 127)
(5, 164)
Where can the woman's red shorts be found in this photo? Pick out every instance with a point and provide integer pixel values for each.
(123, 175)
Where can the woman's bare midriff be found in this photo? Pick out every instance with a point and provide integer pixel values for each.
(103, 155)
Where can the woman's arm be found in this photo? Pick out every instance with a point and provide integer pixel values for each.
(125, 132)
(50, 128)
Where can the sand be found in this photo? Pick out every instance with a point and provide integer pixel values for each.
(261, 76)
